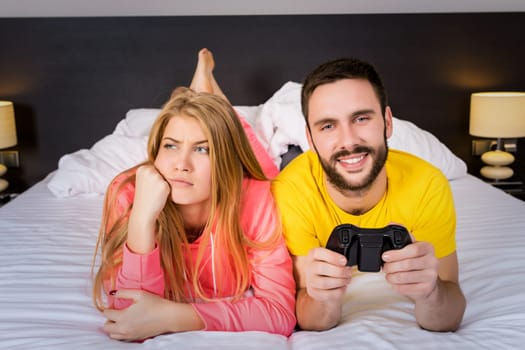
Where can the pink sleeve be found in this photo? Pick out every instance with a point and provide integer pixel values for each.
(139, 271)
(271, 305)
(268, 166)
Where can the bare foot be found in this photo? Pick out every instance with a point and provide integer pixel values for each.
(202, 78)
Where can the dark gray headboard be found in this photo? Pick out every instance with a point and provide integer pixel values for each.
(73, 79)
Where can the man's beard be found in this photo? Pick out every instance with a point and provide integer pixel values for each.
(339, 182)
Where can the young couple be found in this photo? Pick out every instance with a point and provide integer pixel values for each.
(199, 236)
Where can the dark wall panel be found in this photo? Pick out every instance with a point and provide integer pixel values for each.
(73, 79)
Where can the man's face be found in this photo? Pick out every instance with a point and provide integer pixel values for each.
(348, 132)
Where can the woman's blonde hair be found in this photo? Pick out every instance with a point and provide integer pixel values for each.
(232, 158)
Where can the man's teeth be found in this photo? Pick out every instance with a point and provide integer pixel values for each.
(352, 160)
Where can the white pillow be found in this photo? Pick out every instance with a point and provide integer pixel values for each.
(278, 123)
(89, 171)
(406, 136)
(137, 122)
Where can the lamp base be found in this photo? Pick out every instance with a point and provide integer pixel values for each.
(496, 168)
(497, 172)
(3, 184)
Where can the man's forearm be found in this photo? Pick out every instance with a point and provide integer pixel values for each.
(443, 310)
(314, 315)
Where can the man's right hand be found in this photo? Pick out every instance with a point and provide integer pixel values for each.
(322, 278)
(326, 275)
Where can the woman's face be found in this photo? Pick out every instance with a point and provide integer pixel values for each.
(184, 161)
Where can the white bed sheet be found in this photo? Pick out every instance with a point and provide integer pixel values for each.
(46, 246)
(491, 252)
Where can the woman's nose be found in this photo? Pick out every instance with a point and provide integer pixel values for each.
(182, 162)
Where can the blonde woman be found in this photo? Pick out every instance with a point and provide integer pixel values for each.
(190, 239)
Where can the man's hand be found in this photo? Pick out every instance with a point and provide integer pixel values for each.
(326, 275)
(322, 277)
(432, 283)
(412, 270)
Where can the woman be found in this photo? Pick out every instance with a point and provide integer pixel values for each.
(190, 239)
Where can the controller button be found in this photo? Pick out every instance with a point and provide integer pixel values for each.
(398, 237)
(345, 237)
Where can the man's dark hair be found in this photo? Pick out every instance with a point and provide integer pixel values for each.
(342, 68)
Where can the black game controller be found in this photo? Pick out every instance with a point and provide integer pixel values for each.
(364, 246)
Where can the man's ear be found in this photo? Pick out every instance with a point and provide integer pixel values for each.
(389, 128)
(309, 137)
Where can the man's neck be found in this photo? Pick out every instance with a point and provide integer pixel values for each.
(359, 202)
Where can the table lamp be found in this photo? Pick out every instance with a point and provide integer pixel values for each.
(7, 134)
(497, 115)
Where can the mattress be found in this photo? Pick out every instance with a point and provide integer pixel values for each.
(48, 236)
(47, 244)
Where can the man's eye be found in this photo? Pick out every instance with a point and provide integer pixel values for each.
(327, 126)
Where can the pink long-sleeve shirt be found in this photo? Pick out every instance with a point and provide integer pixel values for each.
(269, 304)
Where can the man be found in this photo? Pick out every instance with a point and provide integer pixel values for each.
(350, 176)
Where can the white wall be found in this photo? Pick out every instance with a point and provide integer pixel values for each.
(73, 8)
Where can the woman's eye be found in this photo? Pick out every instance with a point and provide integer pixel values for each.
(169, 146)
(202, 149)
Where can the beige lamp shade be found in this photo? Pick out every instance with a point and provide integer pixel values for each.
(7, 125)
(497, 114)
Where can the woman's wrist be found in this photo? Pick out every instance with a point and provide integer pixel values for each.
(182, 317)
(141, 234)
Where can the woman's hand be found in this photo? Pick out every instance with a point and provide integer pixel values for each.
(151, 193)
(149, 315)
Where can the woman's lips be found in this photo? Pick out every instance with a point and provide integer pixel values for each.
(180, 183)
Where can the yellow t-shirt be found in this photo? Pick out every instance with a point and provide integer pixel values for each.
(418, 197)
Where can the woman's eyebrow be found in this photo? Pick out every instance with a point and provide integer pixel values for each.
(171, 139)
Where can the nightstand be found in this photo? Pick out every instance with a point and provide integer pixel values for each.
(6, 196)
(513, 186)
(15, 187)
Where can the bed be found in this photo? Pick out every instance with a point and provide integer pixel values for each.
(48, 234)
